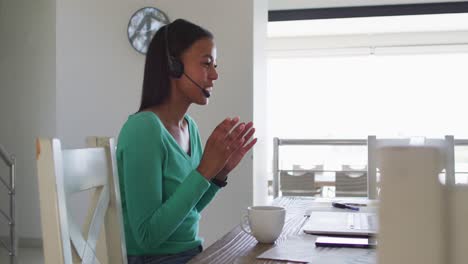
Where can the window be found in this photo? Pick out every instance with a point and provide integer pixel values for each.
(348, 78)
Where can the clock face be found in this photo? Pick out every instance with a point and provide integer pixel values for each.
(143, 25)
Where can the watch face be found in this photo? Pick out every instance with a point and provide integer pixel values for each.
(143, 25)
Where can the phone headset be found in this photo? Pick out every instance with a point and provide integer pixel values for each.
(175, 65)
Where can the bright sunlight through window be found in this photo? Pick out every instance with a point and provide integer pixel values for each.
(399, 76)
(415, 87)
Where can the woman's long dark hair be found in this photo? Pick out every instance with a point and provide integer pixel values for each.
(181, 35)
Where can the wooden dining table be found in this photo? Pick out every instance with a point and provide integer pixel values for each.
(241, 248)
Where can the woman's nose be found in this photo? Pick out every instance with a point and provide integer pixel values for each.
(213, 74)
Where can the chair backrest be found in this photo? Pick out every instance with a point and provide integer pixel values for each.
(62, 173)
(351, 182)
(298, 185)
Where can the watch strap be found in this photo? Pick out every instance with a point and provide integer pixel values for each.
(219, 183)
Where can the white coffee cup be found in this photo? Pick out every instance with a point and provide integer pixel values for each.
(265, 223)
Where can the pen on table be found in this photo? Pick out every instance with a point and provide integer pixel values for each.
(356, 204)
(344, 206)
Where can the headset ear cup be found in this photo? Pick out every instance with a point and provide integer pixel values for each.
(176, 68)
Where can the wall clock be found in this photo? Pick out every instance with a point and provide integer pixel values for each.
(143, 25)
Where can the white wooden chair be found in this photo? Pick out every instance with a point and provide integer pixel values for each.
(351, 182)
(299, 183)
(62, 173)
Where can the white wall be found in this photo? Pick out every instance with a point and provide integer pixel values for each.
(27, 97)
(98, 73)
(262, 163)
(99, 79)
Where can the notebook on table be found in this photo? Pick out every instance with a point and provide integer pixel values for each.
(342, 223)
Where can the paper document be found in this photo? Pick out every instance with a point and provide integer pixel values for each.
(303, 250)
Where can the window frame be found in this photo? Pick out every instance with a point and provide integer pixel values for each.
(368, 11)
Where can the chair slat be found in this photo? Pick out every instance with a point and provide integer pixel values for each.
(98, 217)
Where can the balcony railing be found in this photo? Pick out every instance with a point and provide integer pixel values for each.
(9, 216)
(371, 173)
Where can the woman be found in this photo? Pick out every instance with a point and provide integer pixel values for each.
(166, 179)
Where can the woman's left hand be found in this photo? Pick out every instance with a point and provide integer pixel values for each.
(238, 154)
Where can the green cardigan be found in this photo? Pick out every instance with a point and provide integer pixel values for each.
(162, 192)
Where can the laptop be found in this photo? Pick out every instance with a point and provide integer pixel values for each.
(342, 223)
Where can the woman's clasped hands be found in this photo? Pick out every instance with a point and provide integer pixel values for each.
(225, 148)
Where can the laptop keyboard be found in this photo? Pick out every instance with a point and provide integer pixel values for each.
(359, 221)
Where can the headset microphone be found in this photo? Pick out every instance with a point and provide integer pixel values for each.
(175, 65)
(205, 92)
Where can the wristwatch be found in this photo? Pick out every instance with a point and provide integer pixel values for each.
(219, 183)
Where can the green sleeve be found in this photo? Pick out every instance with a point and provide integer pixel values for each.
(151, 219)
(207, 197)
